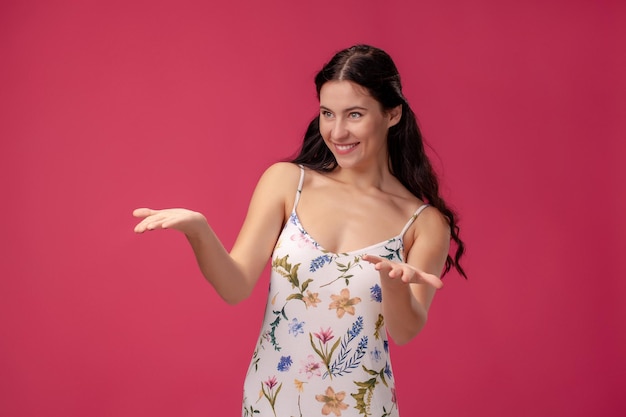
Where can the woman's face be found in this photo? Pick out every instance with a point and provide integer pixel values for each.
(354, 125)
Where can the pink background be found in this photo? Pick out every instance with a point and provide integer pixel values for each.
(110, 105)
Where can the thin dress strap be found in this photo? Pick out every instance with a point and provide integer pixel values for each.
(412, 219)
(299, 191)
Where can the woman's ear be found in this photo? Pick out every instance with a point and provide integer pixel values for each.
(395, 114)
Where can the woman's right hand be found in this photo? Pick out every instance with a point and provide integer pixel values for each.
(186, 221)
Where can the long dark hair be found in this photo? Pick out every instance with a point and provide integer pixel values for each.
(374, 69)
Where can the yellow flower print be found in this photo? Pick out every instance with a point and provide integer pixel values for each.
(311, 299)
(343, 303)
(299, 385)
(333, 403)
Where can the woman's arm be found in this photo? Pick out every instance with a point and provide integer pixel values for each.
(408, 288)
(234, 274)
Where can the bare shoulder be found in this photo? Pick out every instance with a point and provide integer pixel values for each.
(428, 244)
(279, 183)
(282, 175)
(431, 228)
(433, 223)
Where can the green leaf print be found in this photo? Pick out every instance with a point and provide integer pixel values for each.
(363, 396)
(250, 411)
(392, 253)
(379, 325)
(256, 359)
(388, 413)
(284, 268)
(274, 325)
(345, 269)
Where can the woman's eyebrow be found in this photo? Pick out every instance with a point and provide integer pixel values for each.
(349, 109)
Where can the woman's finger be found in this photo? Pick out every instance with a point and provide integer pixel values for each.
(150, 221)
(143, 212)
(373, 259)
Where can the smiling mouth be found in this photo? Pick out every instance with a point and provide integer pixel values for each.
(346, 147)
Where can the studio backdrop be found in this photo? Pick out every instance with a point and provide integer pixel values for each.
(111, 105)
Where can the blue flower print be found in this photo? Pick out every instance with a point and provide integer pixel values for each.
(376, 293)
(386, 346)
(284, 364)
(356, 328)
(376, 354)
(319, 262)
(387, 370)
(296, 327)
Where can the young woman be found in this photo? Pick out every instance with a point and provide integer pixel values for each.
(358, 237)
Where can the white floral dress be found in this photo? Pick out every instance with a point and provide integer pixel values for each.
(323, 347)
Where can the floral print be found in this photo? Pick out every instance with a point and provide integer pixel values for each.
(319, 262)
(333, 402)
(310, 367)
(376, 293)
(343, 303)
(284, 364)
(296, 327)
(323, 347)
(270, 394)
(325, 335)
(311, 299)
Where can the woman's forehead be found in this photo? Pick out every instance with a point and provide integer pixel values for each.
(344, 93)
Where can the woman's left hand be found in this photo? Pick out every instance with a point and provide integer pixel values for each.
(403, 271)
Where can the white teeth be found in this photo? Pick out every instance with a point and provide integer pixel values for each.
(345, 147)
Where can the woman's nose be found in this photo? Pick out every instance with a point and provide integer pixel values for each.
(339, 131)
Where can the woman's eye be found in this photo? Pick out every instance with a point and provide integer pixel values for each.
(327, 114)
(355, 115)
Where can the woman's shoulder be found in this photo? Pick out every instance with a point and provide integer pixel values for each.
(281, 177)
(431, 229)
(282, 171)
(431, 224)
